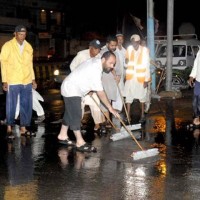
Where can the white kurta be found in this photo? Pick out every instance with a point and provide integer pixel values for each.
(85, 78)
(195, 73)
(118, 103)
(87, 100)
(134, 90)
(81, 57)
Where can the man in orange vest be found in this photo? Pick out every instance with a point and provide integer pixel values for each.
(137, 74)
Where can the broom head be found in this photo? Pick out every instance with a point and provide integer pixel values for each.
(145, 153)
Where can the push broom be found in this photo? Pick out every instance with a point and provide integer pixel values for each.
(123, 133)
(143, 153)
(118, 135)
(122, 98)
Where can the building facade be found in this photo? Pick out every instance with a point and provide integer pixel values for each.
(45, 21)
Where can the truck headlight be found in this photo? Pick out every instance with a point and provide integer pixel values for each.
(182, 62)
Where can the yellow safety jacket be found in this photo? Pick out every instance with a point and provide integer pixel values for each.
(136, 67)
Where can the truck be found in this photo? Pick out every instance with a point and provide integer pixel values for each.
(185, 48)
(184, 51)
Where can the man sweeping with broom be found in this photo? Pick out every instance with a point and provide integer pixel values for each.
(84, 79)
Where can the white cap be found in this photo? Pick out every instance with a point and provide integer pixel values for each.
(119, 34)
(135, 37)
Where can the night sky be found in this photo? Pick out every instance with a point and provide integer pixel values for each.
(106, 17)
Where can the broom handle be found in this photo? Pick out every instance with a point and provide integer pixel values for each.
(123, 104)
(131, 134)
(161, 79)
(104, 114)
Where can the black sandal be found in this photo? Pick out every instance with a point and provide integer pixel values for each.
(66, 142)
(28, 134)
(86, 148)
(10, 135)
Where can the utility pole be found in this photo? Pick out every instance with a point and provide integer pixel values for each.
(150, 40)
(170, 25)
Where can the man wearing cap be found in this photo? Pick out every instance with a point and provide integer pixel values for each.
(91, 52)
(18, 79)
(121, 51)
(137, 74)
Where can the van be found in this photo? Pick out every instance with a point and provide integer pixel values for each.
(185, 48)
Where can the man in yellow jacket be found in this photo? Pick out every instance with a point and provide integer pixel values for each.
(18, 79)
(137, 74)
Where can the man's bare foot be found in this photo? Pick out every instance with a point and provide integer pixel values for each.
(63, 133)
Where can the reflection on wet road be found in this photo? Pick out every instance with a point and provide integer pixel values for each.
(38, 168)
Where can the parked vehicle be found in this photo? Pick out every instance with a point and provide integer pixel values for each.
(185, 48)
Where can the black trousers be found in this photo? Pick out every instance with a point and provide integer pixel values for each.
(73, 113)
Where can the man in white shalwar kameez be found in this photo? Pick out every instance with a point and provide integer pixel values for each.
(121, 51)
(92, 51)
(110, 80)
(137, 74)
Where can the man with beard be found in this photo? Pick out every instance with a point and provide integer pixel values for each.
(110, 80)
(86, 78)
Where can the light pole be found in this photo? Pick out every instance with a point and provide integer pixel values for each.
(150, 40)
(170, 24)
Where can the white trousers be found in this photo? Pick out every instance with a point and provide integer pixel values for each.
(118, 104)
(95, 110)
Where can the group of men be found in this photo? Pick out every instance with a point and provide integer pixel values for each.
(101, 77)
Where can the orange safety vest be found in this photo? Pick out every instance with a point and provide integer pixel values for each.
(130, 67)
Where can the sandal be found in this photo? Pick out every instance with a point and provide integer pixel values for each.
(86, 148)
(142, 120)
(108, 126)
(28, 134)
(66, 142)
(10, 135)
(101, 130)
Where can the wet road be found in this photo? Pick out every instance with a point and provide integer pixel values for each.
(39, 168)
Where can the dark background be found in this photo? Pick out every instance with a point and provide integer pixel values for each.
(106, 17)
